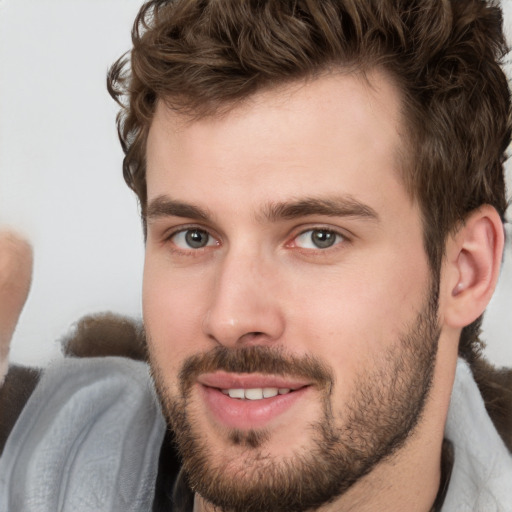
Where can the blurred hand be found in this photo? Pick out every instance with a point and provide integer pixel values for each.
(16, 262)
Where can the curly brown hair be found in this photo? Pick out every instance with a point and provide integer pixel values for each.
(204, 56)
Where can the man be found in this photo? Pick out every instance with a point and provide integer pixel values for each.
(321, 186)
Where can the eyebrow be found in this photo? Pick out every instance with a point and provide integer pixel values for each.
(163, 206)
(343, 206)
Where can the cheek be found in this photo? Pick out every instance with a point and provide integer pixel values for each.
(352, 315)
(173, 313)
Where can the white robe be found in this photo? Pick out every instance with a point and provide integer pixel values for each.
(89, 439)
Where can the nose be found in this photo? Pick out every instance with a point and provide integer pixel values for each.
(244, 306)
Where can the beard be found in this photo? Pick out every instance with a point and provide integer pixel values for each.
(386, 405)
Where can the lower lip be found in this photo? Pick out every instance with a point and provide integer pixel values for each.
(248, 414)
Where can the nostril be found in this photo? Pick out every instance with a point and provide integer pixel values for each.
(251, 336)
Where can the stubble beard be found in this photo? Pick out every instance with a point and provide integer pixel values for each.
(386, 406)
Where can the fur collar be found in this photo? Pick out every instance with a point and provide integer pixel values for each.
(482, 469)
(495, 386)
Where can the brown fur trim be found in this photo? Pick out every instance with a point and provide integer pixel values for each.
(495, 385)
(105, 334)
(18, 386)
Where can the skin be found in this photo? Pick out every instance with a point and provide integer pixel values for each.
(260, 281)
(16, 261)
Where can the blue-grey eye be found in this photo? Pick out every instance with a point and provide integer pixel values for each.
(318, 239)
(193, 239)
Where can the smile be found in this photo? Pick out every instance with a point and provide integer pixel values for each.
(249, 401)
(255, 393)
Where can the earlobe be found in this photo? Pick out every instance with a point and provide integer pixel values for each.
(473, 258)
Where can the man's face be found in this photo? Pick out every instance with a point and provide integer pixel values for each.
(285, 265)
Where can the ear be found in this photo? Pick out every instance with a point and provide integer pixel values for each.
(472, 266)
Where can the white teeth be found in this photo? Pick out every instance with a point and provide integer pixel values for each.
(255, 393)
(270, 392)
(236, 393)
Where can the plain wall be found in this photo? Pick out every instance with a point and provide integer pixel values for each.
(60, 172)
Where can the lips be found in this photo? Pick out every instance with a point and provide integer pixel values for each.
(249, 401)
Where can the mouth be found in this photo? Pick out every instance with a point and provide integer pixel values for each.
(255, 393)
(249, 401)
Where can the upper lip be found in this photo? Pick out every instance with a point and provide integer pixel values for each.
(225, 380)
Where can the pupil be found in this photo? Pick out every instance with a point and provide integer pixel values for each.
(196, 239)
(323, 239)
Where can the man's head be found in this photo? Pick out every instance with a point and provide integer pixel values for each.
(202, 58)
(319, 184)
(275, 262)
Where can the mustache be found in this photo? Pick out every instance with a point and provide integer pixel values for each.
(254, 359)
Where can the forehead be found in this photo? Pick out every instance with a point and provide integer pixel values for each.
(300, 139)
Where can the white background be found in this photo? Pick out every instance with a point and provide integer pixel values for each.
(60, 172)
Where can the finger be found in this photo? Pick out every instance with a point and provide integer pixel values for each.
(16, 261)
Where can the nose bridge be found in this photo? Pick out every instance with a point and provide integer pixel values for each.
(244, 305)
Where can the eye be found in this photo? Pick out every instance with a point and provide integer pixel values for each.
(193, 239)
(318, 239)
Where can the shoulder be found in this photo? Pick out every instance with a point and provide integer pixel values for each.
(99, 335)
(91, 431)
(495, 385)
(482, 469)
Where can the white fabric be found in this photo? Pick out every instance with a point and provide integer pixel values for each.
(481, 479)
(88, 440)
